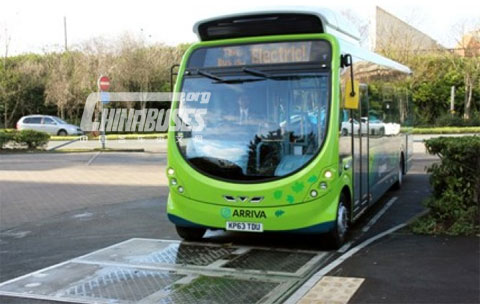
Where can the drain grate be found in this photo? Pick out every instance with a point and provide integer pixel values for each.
(161, 271)
(207, 290)
(185, 254)
(271, 260)
(122, 284)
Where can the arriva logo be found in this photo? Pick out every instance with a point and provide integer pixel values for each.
(249, 213)
(226, 212)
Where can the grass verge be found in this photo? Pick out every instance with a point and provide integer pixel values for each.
(446, 130)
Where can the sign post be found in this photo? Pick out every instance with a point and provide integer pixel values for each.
(103, 86)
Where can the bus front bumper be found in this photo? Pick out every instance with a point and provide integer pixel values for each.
(316, 216)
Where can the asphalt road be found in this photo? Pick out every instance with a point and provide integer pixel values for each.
(59, 206)
(56, 207)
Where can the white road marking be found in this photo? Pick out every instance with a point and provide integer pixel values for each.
(379, 214)
(345, 247)
(93, 158)
(83, 215)
(15, 234)
(369, 225)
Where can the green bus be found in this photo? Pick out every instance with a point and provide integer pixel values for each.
(281, 122)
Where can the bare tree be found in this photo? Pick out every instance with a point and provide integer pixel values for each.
(466, 59)
(68, 77)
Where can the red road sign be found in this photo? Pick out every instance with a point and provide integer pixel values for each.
(103, 83)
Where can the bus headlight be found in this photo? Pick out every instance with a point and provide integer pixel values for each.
(180, 189)
(170, 171)
(173, 181)
(313, 193)
(328, 174)
(323, 185)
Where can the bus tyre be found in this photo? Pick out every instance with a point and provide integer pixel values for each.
(337, 235)
(398, 183)
(190, 233)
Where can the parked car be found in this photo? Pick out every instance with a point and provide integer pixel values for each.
(347, 127)
(49, 124)
(376, 126)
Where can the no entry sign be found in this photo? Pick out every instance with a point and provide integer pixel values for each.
(103, 83)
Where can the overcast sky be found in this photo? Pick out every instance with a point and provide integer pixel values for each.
(37, 25)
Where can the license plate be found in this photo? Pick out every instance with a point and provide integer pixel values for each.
(244, 226)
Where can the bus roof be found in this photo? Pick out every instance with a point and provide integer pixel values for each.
(291, 20)
(329, 21)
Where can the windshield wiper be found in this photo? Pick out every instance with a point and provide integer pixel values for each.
(241, 80)
(210, 75)
(256, 73)
(259, 73)
(222, 80)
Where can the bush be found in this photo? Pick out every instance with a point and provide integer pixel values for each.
(474, 120)
(5, 137)
(449, 120)
(455, 203)
(32, 139)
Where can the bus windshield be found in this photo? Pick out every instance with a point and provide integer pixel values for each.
(252, 128)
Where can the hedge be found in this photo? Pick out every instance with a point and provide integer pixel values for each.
(446, 130)
(25, 138)
(131, 136)
(455, 201)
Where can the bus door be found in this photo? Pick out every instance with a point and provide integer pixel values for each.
(360, 148)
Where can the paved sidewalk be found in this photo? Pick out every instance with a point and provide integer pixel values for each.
(408, 268)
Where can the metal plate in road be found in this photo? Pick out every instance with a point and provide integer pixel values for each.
(161, 271)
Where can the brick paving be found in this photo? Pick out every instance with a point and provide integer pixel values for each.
(37, 186)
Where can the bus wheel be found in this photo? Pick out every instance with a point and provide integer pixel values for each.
(399, 182)
(190, 233)
(338, 234)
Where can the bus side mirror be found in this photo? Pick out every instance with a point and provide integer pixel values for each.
(352, 96)
(352, 88)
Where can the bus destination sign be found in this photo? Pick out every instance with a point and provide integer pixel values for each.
(264, 53)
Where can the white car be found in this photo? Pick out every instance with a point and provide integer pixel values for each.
(347, 127)
(50, 124)
(375, 126)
